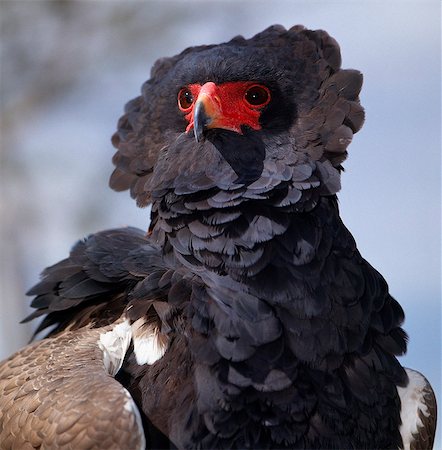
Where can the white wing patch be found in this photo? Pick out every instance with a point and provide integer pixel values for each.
(412, 402)
(149, 344)
(114, 345)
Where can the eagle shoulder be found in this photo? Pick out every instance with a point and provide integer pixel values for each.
(60, 392)
(418, 412)
(91, 286)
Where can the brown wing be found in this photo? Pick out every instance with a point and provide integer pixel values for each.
(418, 413)
(60, 393)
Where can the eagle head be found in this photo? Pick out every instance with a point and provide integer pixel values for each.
(247, 115)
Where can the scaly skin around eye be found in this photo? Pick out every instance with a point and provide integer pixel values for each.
(230, 105)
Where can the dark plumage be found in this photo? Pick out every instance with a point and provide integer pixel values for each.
(254, 320)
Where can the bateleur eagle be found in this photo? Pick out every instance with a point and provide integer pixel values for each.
(245, 317)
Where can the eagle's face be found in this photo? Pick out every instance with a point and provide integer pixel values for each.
(234, 116)
(236, 88)
(234, 106)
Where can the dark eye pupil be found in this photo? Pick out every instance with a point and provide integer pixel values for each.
(185, 98)
(257, 96)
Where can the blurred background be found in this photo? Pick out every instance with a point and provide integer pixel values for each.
(68, 67)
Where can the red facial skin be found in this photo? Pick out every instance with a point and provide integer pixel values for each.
(226, 104)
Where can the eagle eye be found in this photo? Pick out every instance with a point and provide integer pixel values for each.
(185, 99)
(257, 96)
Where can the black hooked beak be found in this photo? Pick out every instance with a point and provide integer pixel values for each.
(201, 121)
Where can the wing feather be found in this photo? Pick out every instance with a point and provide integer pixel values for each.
(60, 393)
(418, 412)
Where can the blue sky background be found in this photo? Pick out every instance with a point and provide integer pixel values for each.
(68, 70)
